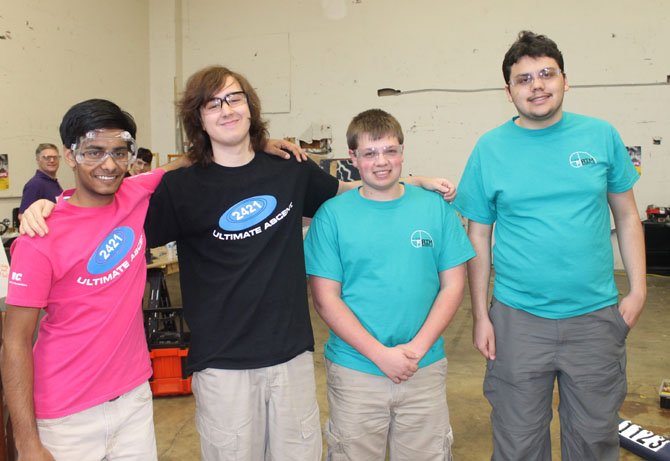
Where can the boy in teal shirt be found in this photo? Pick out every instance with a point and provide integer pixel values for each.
(386, 265)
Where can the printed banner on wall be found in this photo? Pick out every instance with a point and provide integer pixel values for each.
(4, 172)
(635, 153)
(4, 273)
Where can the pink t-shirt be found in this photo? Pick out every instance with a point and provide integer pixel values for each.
(89, 275)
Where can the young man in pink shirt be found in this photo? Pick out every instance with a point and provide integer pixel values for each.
(83, 393)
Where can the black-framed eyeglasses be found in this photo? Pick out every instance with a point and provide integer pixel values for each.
(234, 99)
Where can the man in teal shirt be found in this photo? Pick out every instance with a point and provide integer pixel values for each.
(548, 179)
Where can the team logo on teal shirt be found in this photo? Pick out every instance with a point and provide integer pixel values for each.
(421, 238)
(580, 159)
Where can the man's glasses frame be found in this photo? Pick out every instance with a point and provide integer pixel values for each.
(527, 79)
(92, 156)
(234, 99)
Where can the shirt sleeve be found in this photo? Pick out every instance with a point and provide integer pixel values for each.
(472, 200)
(456, 248)
(322, 254)
(622, 174)
(161, 224)
(30, 275)
(31, 193)
(148, 180)
(320, 188)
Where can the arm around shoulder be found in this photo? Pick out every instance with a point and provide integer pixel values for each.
(182, 161)
(442, 186)
(162, 222)
(33, 220)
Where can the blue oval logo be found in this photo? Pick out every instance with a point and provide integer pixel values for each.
(111, 251)
(247, 213)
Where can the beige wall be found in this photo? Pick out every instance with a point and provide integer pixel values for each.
(56, 53)
(319, 62)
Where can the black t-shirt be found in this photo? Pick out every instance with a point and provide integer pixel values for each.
(241, 260)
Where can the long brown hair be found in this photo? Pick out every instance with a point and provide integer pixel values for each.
(200, 88)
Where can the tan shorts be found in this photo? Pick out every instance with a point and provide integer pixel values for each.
(266, 413)
(367, 412)
(122, 428)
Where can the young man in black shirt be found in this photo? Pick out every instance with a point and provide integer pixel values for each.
(237, 220)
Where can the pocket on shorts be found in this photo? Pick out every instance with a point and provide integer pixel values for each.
(623, 326)
(492, 307)
(442, 442)
(336, 450)
(310, 424)
(143, 393)
(216, 436)
(447, 442)
(438, 444)
(342, 447)
(51, 422)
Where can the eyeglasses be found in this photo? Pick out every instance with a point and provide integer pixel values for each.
(546, 74)
(90, 149)
(50, 158)
(234, 99)
(93, 156)
(390, 152)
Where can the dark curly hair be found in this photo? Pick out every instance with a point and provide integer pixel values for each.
(531, 45)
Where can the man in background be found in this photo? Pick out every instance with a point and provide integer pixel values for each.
(44, 184)
(142, 162)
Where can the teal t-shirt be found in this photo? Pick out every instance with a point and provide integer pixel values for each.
(387, 257)
(546, 191)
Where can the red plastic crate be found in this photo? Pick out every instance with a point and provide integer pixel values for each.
(170, 386)
(168, 372)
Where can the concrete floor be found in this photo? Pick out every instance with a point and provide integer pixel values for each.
(648, 364)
